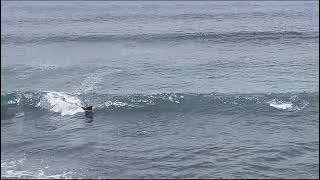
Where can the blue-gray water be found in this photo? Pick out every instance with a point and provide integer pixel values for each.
(179, 89)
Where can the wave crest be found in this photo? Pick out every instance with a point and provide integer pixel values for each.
(165, 102)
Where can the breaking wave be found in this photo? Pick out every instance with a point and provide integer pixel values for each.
(69, 104)
(58, 102)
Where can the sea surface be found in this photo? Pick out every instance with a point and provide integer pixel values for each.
(179, 89)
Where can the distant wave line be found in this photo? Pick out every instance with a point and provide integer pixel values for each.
(209, 36)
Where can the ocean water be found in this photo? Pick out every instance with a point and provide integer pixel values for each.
(179, 89)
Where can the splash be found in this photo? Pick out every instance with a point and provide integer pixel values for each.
(63, 103)
(281, 105)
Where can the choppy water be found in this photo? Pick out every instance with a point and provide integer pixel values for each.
(179, 89)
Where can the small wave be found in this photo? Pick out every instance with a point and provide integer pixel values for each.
(101, 18)
(208, 36)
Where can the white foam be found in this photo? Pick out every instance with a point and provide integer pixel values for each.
(11, 102)
(17, 169)
(281, 105)
(173, 99)
(63, 103)
(115, 103)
